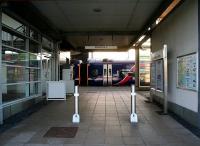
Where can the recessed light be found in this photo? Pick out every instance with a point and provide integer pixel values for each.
(97, 10)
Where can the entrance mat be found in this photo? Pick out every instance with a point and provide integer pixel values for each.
(62, 132)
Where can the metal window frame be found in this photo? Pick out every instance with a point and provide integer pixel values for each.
(1, 109)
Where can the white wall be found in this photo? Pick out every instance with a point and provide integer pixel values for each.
(180, 32)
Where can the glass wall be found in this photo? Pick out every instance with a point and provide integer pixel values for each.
(144, 64)
(47, 46)
(21, 60)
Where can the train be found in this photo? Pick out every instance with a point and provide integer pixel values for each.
(104, 73)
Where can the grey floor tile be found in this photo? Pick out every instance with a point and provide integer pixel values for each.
(105, 121)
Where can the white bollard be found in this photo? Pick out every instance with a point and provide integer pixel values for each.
(76, 117)
(133, 116)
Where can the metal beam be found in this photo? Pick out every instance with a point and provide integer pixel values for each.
(93, 33)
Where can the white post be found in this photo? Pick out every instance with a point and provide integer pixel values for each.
(133, 116)
(76, 117)
(165, 80)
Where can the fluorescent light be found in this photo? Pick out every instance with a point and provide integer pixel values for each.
(141, 38)
(158, 21)
(101, 47)
(10, 52)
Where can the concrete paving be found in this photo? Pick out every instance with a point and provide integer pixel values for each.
(104, 115)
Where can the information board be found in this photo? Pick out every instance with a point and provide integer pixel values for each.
(159, 75)
(153, 75)
(187, 72)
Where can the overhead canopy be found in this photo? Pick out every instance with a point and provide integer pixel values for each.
(96, 22)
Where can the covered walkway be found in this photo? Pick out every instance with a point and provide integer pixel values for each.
(104, 115)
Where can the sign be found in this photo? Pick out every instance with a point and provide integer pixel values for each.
(187, 72)
(159, 74)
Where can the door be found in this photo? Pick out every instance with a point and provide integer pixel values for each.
(107, 74)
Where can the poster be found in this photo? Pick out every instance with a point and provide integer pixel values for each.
(187, 72)
(159, 75)
(153, 75)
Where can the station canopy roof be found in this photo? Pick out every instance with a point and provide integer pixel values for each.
(82, 23)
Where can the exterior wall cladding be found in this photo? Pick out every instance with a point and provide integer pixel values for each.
(180, 32)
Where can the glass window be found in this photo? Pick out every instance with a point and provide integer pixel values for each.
(144, 67)
(34, 47)
(13, 74)
(12, 92)
(12, 40)
(46, 43)
(13, 57)
(34, 74)
(35, 88)
(34, 60)
(6, 38)
(19, 43)
(12, 23)
(34, 35)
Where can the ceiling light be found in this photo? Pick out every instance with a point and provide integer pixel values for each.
(141, 38)
(97, 10)
(158, 21)
(149, 28)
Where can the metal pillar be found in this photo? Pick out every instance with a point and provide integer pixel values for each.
(165, 80)
(133, 116)
(76, 117)
(137, 80)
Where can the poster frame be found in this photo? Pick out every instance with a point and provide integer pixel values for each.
(182, 88)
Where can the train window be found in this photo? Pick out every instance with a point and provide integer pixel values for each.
(110, 72)
(105, 73)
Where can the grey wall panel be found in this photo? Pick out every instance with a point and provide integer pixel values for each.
(180, 32)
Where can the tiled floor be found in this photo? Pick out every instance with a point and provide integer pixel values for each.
(104, 115)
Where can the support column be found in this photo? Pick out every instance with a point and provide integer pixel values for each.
(55, 63)
(1, 109)
(137, 68)
(198, 64)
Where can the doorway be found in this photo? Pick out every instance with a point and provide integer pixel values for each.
(107, 74)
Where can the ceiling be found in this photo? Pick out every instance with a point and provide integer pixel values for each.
(98, 22)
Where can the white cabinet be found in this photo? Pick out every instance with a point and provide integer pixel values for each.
(56, 90)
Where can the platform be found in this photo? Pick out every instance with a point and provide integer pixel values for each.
(104, 115)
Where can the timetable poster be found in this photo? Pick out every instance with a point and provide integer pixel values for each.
(159, 74)
(187, 72)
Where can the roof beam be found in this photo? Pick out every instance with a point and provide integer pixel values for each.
(98, 33)
(163, 6)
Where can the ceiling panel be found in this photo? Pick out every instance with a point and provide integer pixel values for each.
(115, 15)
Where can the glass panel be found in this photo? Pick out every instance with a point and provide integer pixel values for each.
(6, 38)
(144, 67)
(34, 35)
(19, 43)
(34, 47)
(13, 74)
(12, 23)
(35, 88)
(12, 40)
(34, 74)
(12, 92)
(46, 43)
(34, 60)
(13, 56)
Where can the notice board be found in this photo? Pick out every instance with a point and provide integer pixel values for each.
(187, 72)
